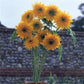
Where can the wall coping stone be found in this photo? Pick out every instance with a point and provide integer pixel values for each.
(63, 33)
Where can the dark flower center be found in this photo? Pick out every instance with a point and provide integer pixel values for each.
(63, 19)
(42, 37)
(30, 41)
(28, 16)
(51, 42)
(24, 29)
(51, 13)
(36, 26)
(40, 9)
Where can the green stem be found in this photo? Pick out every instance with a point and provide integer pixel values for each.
(32, 64)
(42, 63)
(34, 67)
(36, 61)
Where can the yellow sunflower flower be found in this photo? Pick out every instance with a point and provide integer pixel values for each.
(63, 20)
(37, 25)
(41, 35)
(51, 42)
(27, 16)
(31, 42)
(51, 12)
(39, 10)
(23, 30)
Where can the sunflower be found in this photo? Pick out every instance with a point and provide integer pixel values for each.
(31, 42)
(41, 35)
(37, 25)
(39, 10)
(27, 16)
(51, 42)
(23, 30)
(51, 12)
(63, 20)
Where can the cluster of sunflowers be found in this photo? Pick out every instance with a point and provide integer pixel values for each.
(36, 26)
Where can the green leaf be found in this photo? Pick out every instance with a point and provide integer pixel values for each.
(55, 78)
(45, 27)
(24, 41)
(50, 23)
(69, 82)
(51, 79)
(60, 52)
(70, 32)
(54, 32)
(13, 36)
(74, 40)
(43, 48)
(44, 20)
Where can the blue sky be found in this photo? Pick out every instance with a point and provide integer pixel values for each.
(11, 10)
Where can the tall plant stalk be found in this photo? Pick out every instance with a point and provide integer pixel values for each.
(37, 66)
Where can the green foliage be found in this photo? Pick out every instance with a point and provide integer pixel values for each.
(37, 69)
(42, 47)
(18, 82)
(24, 41)
(48, 23)
(60, 52)
(55, 80)
(13, 36)
(78, 25)
(51, 79)
(70, 32)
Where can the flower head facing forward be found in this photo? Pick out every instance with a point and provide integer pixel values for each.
(27, 16)
(63, 20)
(39, 10)
(31, 42)
(51, 12)
(37, 25)
(23, 30)
(41, 35)
(51, 42)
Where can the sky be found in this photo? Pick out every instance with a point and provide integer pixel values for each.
(11, 10)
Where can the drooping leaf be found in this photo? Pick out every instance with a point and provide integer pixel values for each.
(44, 20)
(70, 32)
(13, 36)
(24, 41)
(60, 52)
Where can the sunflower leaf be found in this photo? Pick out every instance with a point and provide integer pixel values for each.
(44, 20)
(54, 32)
(50, 23)
(13, 36)
(60, 52)
(45, 27)
(70, 32)
(51, 80)
(24, 41)
(41, 46)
